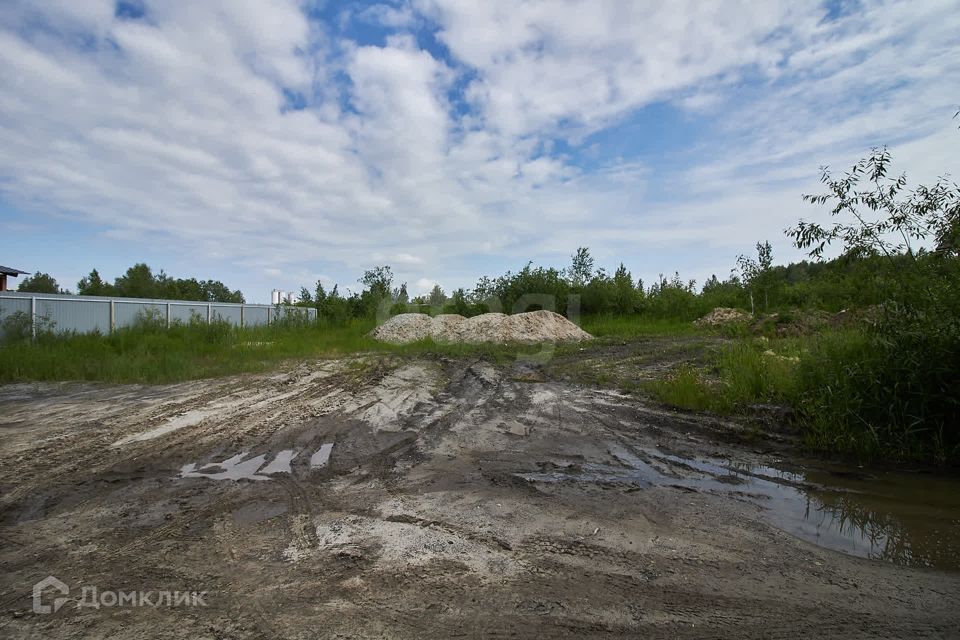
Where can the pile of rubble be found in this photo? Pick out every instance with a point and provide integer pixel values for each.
(721, 316)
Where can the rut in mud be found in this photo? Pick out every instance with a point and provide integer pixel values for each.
(376, 497)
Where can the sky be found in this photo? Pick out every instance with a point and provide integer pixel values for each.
(274, 143)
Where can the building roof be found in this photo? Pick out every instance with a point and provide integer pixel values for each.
(10, 271)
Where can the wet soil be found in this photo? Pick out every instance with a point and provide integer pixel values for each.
(434, 498)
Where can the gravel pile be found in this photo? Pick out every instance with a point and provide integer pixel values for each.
(723, 315)
(531, 327)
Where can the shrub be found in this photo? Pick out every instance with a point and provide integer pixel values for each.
(890, 391)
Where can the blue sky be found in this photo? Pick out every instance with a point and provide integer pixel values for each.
(269, 144)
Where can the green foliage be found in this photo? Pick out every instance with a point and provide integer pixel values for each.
(889, 391)
(459, 304)
(40, 283)
(608, 325)
(674, 298)
(892, 392)
(93, 285)
(688, 388)
(758, 275)
(581, 267)
(139, 281)
(332, 309)
(437, 297)
(148, 352)
(748, 372)
(16, 327)
(728, 293)
(626, 298)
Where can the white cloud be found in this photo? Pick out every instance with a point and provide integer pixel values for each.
(388, 16)
(176, 131)
(423, 285)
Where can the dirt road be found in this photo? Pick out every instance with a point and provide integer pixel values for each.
(427, 498)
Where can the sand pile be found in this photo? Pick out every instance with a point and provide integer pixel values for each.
(722, 315)
(532, 327)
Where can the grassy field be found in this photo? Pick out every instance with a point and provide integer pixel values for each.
(187, 352)
(151, 354)
(635, 326)
(751, 370)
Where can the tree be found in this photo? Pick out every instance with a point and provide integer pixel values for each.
(378, 281)
(40, 283)
(140, 282)
(137, 282)
(306, 298)
(93, 285)
(625, 296)
(400, 296)
(581, 267)
(881, 219)
(437, 296)
(757, 274)
(893, 388)
(458, 302)
(216, 291)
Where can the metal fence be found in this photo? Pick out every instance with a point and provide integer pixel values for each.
(86, 314)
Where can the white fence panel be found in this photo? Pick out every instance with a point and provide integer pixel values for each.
(88, 314)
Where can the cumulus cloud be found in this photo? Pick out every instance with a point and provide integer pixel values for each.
(268, 139)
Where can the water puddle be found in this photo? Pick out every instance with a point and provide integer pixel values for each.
(281, 463)
(321, 457)
(240, 467)
(235, 468)
(904, 518)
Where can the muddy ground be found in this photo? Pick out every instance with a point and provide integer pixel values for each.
(459, 498)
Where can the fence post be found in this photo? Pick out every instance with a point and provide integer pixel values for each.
(113, 316)
(241, 315)
(33, 317)
(209, 312)
(168, 315)
(268, 314)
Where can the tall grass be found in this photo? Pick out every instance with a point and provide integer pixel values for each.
(148, 354)
(151, 353)
(635, 325)
(852, 393)
(745, 373)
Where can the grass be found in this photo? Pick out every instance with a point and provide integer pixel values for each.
(747, 372)
(841, 386)
(153, 354)
(150, 353)
(633, 326)
(183, 352)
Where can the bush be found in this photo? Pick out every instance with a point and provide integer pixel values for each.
(16, 327)
(888, 391)
(891, 391)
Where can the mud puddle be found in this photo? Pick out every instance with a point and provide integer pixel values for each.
(904, 518)
(243, 467)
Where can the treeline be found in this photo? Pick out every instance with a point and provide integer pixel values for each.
(754, 284)
(139, 281)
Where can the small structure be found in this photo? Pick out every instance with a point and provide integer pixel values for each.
(9, 271)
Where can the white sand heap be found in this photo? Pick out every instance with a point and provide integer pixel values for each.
(531, 327)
